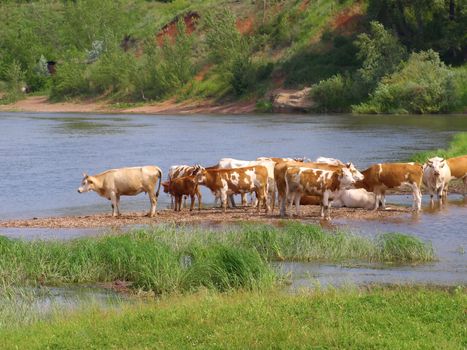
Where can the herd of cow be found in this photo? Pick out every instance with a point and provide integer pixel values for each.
(324, 182)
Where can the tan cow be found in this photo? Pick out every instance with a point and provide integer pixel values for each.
(224, 182)
(279, 176)
(383, 176)
(458, 166)
(183, 186)
(112, 184)
(318, 182)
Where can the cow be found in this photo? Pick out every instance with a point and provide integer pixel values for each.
(230, 163)
(354, 198)
(301, 181)
(458, 167)
(279, 176)
(326, 160)
(383, 176)
(436, 176)
(183, 186)
(282, 160)
(224, 182)
(176, 171)
(113, 183)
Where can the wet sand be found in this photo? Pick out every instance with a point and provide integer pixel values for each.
(210, 215)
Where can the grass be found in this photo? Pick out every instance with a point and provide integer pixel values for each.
(457, 147)
(167, 260)
(377, 318)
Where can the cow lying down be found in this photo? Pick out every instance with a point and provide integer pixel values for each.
(354, 198)
(112, 184)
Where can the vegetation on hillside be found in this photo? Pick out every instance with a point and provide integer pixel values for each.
(369, 56)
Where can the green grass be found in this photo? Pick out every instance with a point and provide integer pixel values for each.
(378, 318)
(457, 147)
(167, 260)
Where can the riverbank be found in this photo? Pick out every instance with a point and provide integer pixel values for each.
(42, 104)
(368, 318)
(205, 217)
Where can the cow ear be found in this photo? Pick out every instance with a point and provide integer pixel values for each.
(85, 175)
(348, 165)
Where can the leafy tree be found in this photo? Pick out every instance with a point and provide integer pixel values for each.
(380, 52)
(423, 85)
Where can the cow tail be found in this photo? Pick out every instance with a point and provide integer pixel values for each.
(160, 181)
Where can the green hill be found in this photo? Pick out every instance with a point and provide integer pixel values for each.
(366, 56)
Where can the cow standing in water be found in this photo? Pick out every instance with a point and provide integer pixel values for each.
(436, 176)
(112, 184)
(384, 176)
(458, 167)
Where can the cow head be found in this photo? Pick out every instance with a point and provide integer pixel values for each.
(346, 178)
(436, 164)
(200, 176)
(87, 184)
(166, 185)
(356, 175)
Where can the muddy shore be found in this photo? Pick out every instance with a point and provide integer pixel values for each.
(41, 104)
(211, 216)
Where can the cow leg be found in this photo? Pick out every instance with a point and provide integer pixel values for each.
(383, 199)
(244, 200)
(297, 203)
(377, 199)
(192, 203)
(325, 204)
(232, 201)
(114, 200)
(224, 200)
(153, 200)
(417, 197)
(199, 199)
(282, 203)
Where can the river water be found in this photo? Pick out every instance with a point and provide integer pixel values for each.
(43, 156)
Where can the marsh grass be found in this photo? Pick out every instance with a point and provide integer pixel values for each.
(168, 260)
(457, 147)
(349, 318)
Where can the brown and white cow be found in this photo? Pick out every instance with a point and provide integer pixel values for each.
(224, 182)
(279, 176)
(231, 163)
(436, 176)
(458, 167)
(318, 182)
(383, 176)
(176, 171)
(183, 186)
(112, 184)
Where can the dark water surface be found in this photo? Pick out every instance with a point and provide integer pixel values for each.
(43, 156)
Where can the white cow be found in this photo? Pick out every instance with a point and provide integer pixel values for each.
(436, 176)
(354, 198)
(112, 184)
(331, 161)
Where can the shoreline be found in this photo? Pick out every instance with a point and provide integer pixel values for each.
(41, 104)
(210, 217)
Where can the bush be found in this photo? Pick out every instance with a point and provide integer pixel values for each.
(69, 80)
(333, 94)
(14, 77)
(423, 85)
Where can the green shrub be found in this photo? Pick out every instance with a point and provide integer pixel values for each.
(334, 94)
(423, 85)
(14, 77)
(69, 80)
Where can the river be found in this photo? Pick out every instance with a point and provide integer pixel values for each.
(43, 156)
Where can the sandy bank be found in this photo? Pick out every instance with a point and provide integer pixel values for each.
(211, 216)
(42, 104)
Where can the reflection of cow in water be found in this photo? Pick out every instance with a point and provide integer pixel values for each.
(112, 184)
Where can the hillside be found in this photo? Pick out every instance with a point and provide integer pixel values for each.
(358, 56)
